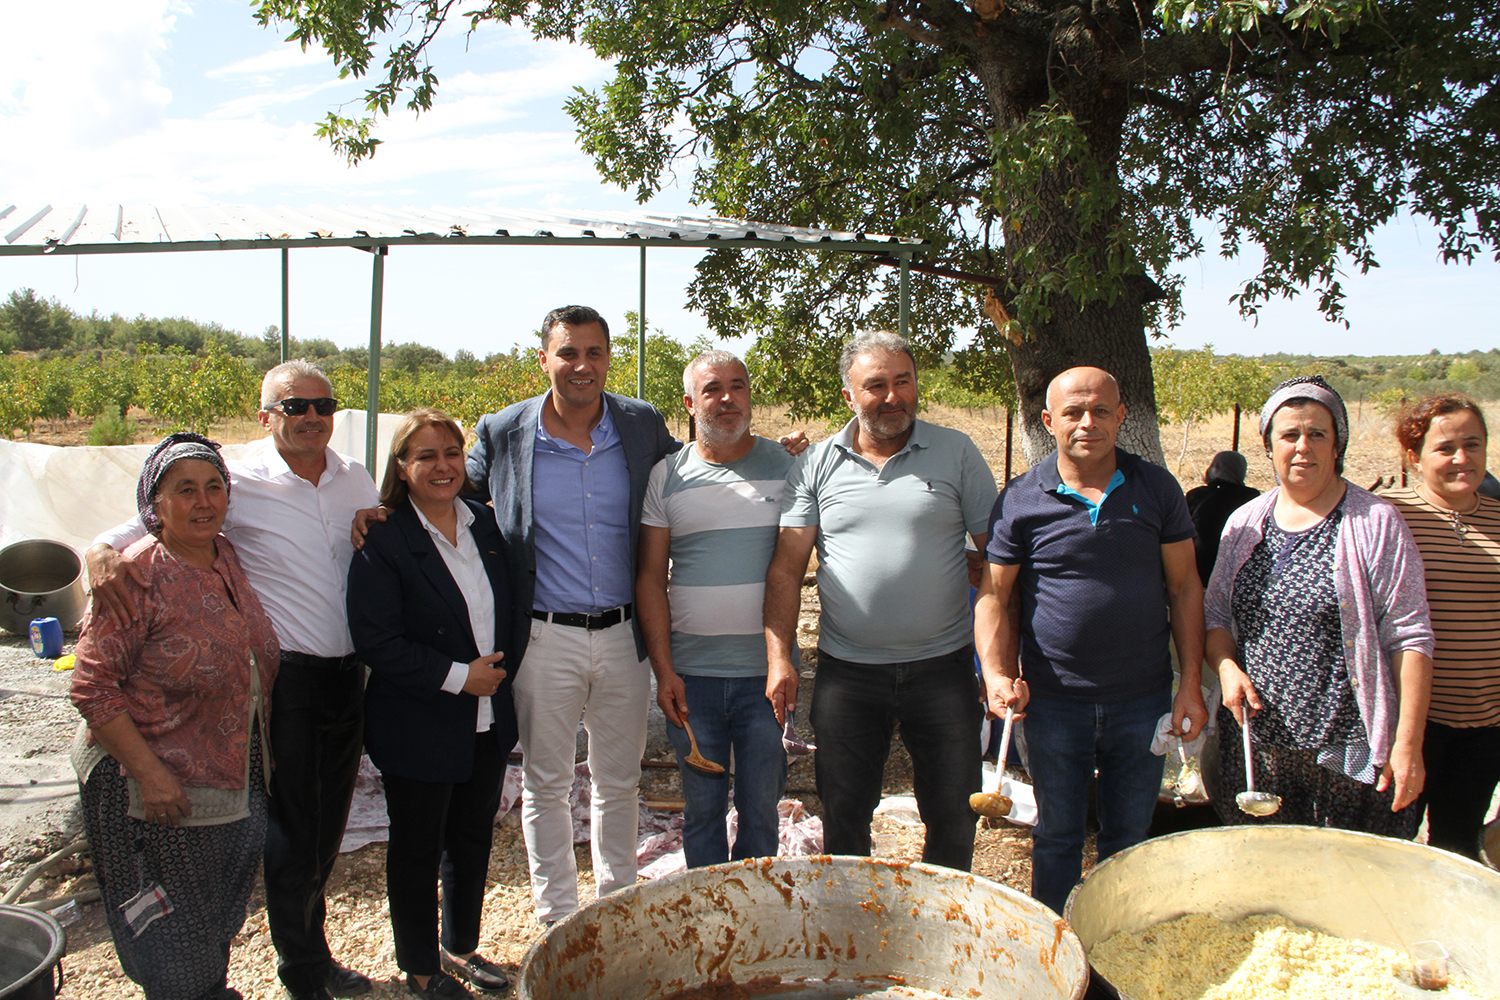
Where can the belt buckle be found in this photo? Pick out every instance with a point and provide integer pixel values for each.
(593, 621)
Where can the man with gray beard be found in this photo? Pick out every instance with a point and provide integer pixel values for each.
(711, 510)
(888, 501)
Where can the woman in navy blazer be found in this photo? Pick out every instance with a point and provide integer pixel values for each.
(430, 613)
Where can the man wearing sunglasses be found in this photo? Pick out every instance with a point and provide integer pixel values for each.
(292, 501)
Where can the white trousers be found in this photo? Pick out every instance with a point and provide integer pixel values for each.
(567, 671)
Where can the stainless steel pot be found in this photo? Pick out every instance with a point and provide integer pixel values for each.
(1353, 885)
(31, 949)
(803, 926)
(40, 578)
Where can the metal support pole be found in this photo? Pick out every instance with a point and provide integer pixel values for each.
(286, 302)
(640, 356)
(372, 395)
(905, 295)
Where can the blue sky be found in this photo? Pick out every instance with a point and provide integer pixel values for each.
(106, 101)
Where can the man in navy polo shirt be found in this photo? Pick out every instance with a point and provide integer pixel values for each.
(1098, 545)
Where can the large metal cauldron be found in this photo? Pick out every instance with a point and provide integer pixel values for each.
(1353, 885)
(810, 927)
(31, 947)
(40, 579)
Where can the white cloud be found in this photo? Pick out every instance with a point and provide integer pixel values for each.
(480, 142)
(75, 79)
(253, 105)
(284, 56)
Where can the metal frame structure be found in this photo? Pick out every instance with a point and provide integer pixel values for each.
(77, 229)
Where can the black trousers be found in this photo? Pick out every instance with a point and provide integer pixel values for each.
(1463, 768)
(441, 831)
(855, 709)
(317, 732)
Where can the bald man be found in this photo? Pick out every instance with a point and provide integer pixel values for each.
(1098, 546)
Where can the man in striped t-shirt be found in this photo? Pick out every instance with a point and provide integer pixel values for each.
(711, 511)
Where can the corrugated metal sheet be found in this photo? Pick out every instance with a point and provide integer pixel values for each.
(81, 229)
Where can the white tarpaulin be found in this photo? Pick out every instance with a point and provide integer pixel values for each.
(70, 495)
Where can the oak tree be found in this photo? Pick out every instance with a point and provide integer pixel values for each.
(1065, 152)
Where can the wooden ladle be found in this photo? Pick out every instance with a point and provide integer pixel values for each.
(993, 804)
(696, 759)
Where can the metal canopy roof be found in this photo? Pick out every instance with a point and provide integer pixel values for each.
(79, 229)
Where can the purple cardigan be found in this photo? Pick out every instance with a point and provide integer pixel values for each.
(1382, 590)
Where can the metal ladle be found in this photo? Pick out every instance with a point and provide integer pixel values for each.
(1251, 802)
(696, 759)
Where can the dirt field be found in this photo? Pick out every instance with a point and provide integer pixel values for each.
(38, 722)
(1372, 451)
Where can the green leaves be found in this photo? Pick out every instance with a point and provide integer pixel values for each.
(18, 399)
(1192, 386)
(1246, 17)
(1074, 153)
(194, 393)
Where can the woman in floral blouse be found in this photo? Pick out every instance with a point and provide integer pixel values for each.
(1318, 627)
(170, 755)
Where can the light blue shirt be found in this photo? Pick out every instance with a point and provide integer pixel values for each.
(581, 505)
(1118, 479)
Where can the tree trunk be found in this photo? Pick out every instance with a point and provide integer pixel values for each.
(1101, 336)
(1086, 67)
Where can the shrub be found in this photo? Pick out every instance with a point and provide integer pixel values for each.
(111, 429)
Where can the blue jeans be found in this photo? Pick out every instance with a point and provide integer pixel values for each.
(855, 708)
(1066, 741)
(725, 713)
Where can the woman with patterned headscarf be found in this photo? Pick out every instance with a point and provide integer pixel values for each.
(170, 755)
(1318, 625)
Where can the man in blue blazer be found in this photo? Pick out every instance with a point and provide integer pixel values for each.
(566, 472)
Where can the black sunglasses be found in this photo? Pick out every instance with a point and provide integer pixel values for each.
(295, 406)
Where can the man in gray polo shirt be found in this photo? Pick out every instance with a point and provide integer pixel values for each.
(888, 502)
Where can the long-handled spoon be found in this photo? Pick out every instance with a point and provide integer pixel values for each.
(993, 804)
(792, 743)
(696, 759)
(1250, 801)
(1189, 781)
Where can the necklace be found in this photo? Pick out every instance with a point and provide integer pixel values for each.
(1460, 529)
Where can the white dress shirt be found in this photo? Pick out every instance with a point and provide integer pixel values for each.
(467, 570)
(293, 542)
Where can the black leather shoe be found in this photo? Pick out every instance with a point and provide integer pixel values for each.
(342, 982)
(440, 986)
(311, 993)
(484, 975)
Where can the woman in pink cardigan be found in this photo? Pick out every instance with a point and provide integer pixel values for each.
(1318, 626)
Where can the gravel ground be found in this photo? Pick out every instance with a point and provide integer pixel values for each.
(38, 793)
(38, 814)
